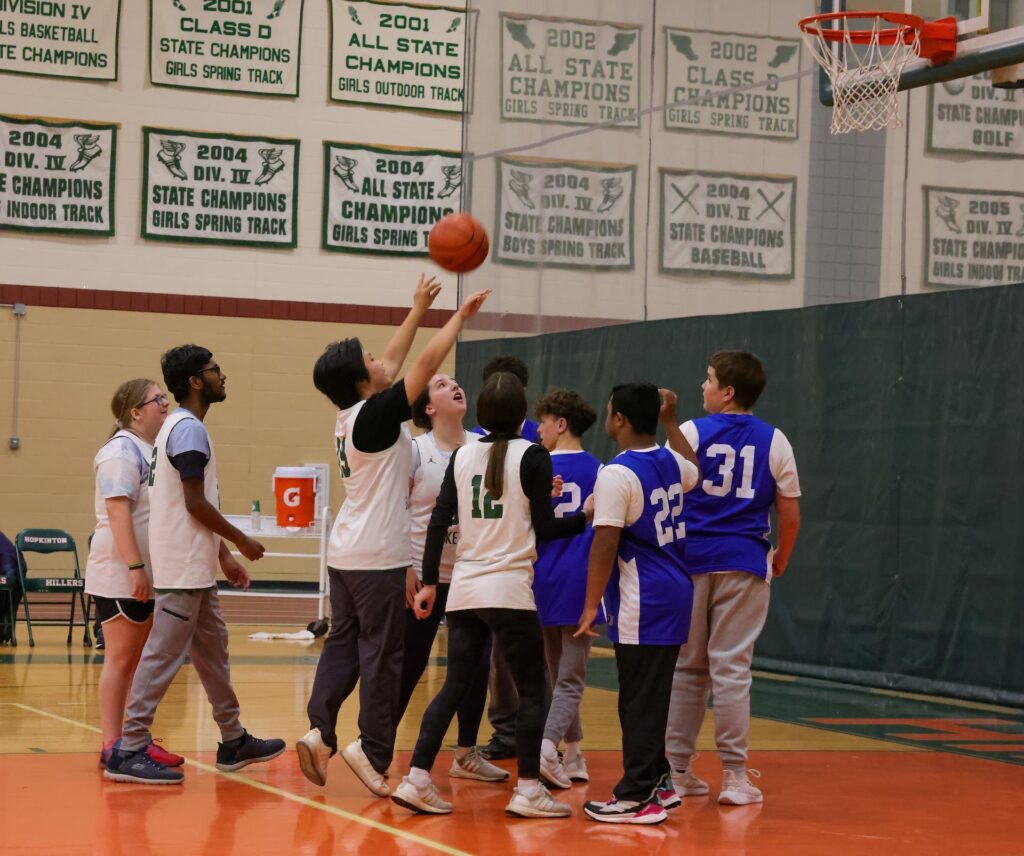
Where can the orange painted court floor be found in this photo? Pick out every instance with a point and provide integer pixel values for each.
(845, 771)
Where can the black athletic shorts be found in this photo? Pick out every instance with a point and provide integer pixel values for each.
(136, 611)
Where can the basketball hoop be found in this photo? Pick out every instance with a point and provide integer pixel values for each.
(864, 65)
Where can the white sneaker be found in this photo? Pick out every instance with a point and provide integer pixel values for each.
(420, 800)
(540, 804)
(313, 756)
(688, 785)
(737, 788)
(553, 773)
(576, 769)
(356, 759)
(473, 765)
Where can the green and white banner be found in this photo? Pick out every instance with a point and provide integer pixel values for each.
(219, 188)
(973, 237)
(727, 225)
(564, 214)
(970, 115)
(398, 55)
(384, 200)
(58, 39)
(57, 176)
(567, 71)
(226, 45)
(700, 66)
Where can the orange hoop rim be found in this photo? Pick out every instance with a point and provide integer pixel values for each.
(888, 36)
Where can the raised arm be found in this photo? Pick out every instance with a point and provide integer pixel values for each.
(430, 359)
(398, 348)
(669, 421)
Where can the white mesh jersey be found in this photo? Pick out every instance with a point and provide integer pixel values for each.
(183, 551)
(371, 532)
(122, 470)
(497, 544)
(429, 463)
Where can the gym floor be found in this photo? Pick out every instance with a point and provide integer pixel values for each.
(844, 771)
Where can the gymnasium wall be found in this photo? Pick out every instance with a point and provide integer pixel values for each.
(904, 414)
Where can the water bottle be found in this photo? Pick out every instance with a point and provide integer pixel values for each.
(254, 516)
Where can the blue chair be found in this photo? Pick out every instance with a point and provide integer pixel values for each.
(48, 541)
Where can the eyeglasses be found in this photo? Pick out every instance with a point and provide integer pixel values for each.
(160, 399)
(213, 368)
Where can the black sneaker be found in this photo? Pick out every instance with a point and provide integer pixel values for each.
(139, 768)
(246, 750)
(497, 750)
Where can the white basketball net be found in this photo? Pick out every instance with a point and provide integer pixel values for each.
(865, 77)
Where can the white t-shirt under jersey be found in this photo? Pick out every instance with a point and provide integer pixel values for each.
(497, 544)
(122, 470)
(429, 462)
(371, 532)
(185, 554)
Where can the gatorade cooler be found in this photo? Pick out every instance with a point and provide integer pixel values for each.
(295, 490)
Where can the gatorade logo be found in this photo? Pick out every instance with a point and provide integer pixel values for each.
(291, 497)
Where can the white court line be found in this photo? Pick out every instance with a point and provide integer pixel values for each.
(270, 789)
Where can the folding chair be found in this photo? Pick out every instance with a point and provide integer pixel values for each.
(52, 541)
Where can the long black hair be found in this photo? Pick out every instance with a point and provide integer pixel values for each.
(500, 410)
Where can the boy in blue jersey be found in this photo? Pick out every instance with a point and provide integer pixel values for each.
(748, 466)
(638, 544)
(560, 584)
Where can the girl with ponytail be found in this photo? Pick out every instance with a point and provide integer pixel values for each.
(500, 489)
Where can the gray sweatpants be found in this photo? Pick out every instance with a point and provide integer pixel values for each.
(729, 610)
(186, 623)
(567, 670)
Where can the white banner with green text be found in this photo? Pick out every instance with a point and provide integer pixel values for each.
(219, 188)
(727, 225)
(398, 55)
(58, 39)
(567, 71)
(226, 45)
(57, 176)
(384, 200)
(973, 237)
(970, 115)
(564, 214)
(700, 66)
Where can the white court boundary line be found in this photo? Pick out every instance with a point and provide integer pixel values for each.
(271, 789)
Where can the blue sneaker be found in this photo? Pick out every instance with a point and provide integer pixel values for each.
(246, 750)
(139, 768)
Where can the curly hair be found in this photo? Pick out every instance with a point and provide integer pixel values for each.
(569, 405)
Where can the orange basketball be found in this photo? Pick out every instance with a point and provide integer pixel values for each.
(458, 242)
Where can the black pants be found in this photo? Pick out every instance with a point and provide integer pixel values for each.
(504, 705)
(365, 645)
(518, 633)
(419, 639)
(645, 690)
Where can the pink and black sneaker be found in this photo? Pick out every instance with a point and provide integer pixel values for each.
(666, 791)
(162, 756)
(627, 811)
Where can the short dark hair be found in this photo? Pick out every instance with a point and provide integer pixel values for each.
(419, 410)
(339, 370)
(639, 402)
(742, 371)
(179, 365)
(508, 363)
(569, 405)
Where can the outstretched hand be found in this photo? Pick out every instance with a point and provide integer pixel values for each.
(427, 290)
(471, 305)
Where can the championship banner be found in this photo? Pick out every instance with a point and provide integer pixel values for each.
(57, 176)
(219, 188)
(700, 65)
(226, 45)
(970, 115)
(384, 200)
(727, 225)
(973, 237)
(398, 55)
(58, 39)
(564, 214)
(571, 72)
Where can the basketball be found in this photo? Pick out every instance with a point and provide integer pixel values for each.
(458, 242)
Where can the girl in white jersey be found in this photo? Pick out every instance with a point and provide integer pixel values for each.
(500, 488)
(440, 409)
(118, 575)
